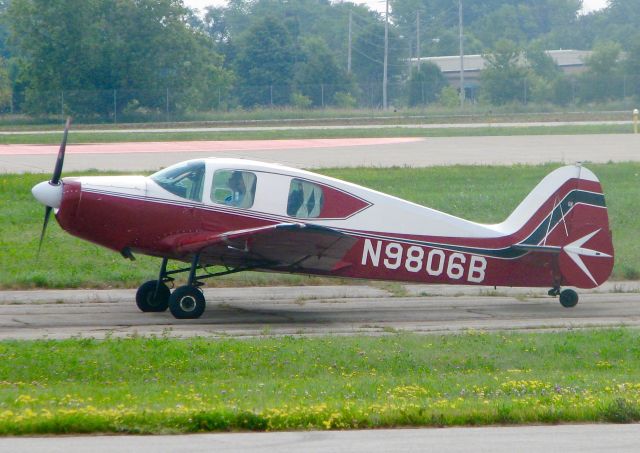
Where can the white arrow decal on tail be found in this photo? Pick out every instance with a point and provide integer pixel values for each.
(576, 251)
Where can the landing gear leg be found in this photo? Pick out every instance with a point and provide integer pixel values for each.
(555, 291)
(187, 302)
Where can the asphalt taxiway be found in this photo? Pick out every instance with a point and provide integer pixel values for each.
(315, 310)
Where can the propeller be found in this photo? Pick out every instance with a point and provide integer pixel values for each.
(50, 193)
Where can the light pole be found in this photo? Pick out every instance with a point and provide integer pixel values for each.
(386, 52)
(349, 48)
(418, 37)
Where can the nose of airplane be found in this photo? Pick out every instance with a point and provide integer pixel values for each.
(48, 194)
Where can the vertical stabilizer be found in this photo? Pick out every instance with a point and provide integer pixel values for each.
(566, 215)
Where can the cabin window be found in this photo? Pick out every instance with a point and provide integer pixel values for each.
(234, 188)
(184, 179)
(305, 199)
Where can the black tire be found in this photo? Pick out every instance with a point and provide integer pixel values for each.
(187, 302)
(150, 300)
(568, 298)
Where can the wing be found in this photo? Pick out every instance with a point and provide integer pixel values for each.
(285, 246)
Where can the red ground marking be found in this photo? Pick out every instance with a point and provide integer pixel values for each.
(198, 146)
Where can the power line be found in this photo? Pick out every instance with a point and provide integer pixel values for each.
(376, 61)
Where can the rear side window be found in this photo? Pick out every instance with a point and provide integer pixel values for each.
(234, 188)
(305, 199)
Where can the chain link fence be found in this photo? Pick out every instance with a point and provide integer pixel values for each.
(172, 104)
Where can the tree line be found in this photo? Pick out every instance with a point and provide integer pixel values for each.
(124, 56)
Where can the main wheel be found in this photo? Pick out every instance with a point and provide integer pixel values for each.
(568, 298)
(187, 302)
(148, 299)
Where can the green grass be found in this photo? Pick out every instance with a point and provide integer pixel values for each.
(383, 131)
(620, 110)
(481, 193)
(160, 385)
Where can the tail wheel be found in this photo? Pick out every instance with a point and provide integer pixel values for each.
(568, 298)
(151, 297)
(187, 302)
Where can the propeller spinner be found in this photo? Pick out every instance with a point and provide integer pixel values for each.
(49, 193)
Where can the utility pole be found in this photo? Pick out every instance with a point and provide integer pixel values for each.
(418, 38)
(462, 94)
(386, 52)
(349, 48)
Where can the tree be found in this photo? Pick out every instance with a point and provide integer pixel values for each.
(5, 86)
(4, 51)
(622, 21)
(265, 64)
(425, 84)
(631, 67)
(503, 78)
(603, 79)
(317, 75)
(88, 48)
(485, 21)
(545, 80)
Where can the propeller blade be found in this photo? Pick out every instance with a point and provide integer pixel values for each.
(57, 172)
(55, 179)
(47, 214)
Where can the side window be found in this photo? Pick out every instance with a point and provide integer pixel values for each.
(305, 199)
(234, 188)
(184, 180)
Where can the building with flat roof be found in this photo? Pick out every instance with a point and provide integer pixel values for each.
(569, 61)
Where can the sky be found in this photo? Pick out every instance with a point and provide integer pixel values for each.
(588, 5)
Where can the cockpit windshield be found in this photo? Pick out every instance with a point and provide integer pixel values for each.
(184, 179)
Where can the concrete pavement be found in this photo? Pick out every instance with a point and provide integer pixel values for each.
(493, 439)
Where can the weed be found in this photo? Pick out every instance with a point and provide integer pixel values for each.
(631, 273)
(389, 329)
(302, 300)
(622, 410)
(266, 331)
(491, 293)
(394, 288)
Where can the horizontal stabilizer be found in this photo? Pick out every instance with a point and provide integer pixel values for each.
(538, 248)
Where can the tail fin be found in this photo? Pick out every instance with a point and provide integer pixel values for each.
(566, 215)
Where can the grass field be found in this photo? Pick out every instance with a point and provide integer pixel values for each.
(484, 194)
(614, 111)
(160, 385)
(382, 131)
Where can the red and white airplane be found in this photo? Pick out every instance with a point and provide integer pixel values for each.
(247, 215)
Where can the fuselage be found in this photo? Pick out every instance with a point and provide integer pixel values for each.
(396, 239)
